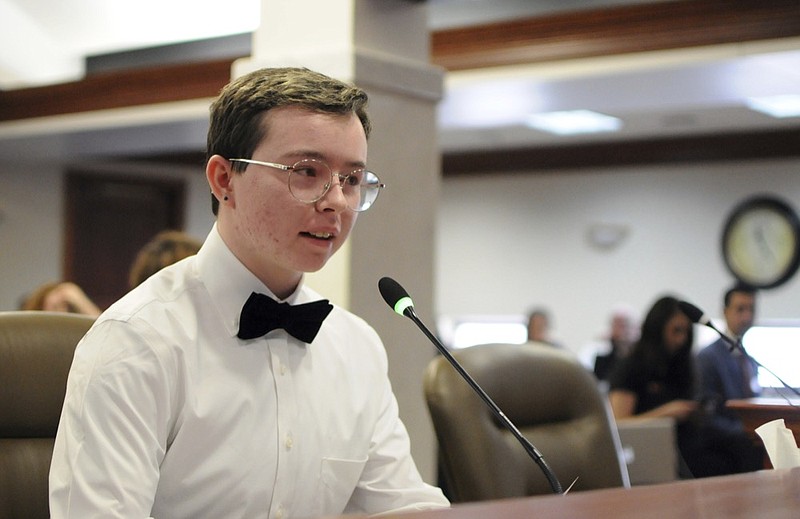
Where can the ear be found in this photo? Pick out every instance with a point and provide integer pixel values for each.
(219, 175)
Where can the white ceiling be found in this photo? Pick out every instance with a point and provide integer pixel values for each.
(45, 41)
(658, 94)
(662, 93)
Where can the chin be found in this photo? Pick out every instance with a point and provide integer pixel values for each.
(314, 266)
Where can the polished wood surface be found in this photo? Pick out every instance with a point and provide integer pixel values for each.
(767, 494)
(755, 412)
(614, 30)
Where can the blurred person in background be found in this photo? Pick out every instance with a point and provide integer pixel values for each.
(729, 375)
(63, 296)
(656, 379)
(539, 327)
(659, 379)
(618, 344)
(166, 248)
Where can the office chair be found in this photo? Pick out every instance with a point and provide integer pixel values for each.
(552, 400)
(36, 350)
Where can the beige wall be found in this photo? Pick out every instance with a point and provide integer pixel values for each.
(510, 242)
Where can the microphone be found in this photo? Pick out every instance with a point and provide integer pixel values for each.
(697, 316)
(399, 301)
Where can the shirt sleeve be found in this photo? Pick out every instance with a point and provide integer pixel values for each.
(112, 434)
(390, 481)
(712, 395)
(710, 384)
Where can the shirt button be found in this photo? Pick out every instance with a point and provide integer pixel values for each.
(279, 513)
(289, 442)
(283, 369)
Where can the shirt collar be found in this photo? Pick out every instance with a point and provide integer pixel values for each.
(230, 283)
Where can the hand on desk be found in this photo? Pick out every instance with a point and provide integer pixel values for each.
(681, 410)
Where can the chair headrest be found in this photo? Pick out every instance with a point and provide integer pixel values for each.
(36, 350)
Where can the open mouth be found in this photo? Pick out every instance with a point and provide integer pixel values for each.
(318, 235)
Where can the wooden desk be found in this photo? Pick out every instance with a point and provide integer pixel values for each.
(755, 412)
(768, 494)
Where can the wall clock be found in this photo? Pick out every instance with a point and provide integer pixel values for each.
(761, 241)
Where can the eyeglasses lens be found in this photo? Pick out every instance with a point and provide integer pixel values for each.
(310, 179)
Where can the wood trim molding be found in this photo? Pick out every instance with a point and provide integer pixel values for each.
(118, 89)
(665, 150)
(613, 31)
(580, 34)
(596, 156)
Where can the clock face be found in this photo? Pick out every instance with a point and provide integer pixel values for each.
(761, 242)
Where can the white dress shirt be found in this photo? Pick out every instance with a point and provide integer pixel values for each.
(168, 414)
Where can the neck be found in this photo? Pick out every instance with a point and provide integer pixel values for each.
(280, 282)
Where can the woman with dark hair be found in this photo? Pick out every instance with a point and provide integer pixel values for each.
(658, 380)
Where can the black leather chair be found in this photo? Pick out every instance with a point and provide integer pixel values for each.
(551, 399)
(36, 350)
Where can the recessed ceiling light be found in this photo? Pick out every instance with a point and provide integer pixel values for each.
(776, 106)
(574, 122)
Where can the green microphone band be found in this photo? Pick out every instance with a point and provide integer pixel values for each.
(401, 305)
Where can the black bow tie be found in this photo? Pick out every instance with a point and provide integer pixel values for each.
(262, 314)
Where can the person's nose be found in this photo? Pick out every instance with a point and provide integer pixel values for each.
(334, 199)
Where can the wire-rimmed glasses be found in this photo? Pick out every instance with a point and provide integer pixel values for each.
(310, 179)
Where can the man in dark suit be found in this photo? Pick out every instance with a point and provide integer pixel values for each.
(727, 375)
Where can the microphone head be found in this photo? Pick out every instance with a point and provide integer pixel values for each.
(697, 316)
(395, 296)
(692, 312)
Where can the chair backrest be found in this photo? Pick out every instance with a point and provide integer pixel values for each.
(552, 400)
(36, 350)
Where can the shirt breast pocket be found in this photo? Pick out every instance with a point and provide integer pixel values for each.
(338, 479)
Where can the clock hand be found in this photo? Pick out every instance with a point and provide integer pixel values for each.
(762, 240)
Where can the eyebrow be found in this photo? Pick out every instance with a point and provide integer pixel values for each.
(310, 154)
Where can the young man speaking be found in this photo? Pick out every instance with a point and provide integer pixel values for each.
(224, 387)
